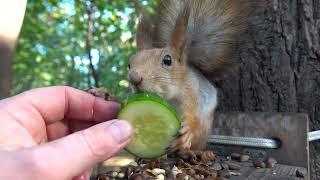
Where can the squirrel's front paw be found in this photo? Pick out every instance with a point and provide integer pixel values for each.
(184, 139)
(101, 93)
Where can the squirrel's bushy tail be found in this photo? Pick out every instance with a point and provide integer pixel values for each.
(214, 28)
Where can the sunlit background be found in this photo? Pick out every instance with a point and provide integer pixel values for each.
(58, 45)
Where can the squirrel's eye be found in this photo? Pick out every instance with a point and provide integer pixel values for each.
(167, 60)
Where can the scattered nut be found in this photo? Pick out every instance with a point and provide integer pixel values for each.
(213, 175)
(235, 173)
(158, 171)
(225, 173)
(149, 173)
(271, 162)
(258, 163)
(116, 169)
(181, 176)
(300, 173)
(143, 165)
(160, 177)
(130, 170)
(190, 172)
(121, 175)
(225, 165)
(153, 165)
(209, 163)
(169, 174)
(114, 174)
(216, 166)
(244, 158)
(103, 177)
(197, 176)
(207, 156)
(133, 163)
(166, 164)
(136, 177)
(175, 171)
(235, 156)
(233, 166)
(181, 163)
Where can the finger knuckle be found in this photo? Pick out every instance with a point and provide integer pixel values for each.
(93, 146)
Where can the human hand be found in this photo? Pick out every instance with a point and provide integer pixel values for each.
(58, 133)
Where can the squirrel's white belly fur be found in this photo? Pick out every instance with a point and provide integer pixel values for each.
(207, 99)
(207, 95)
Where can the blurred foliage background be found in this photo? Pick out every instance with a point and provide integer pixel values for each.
(79, 43)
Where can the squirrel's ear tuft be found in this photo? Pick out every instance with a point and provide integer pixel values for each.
(144, 33)
(179, 38)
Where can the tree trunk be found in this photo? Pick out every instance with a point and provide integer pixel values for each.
(89, 40)
(279, 68)
(11, 17)
(6, 54)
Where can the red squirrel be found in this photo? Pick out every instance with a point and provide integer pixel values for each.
(186, 42)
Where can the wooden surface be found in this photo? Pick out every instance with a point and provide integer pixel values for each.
(247, 172)
(279, 172)
(290, 128)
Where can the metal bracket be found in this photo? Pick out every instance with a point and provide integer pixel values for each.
(291, 129)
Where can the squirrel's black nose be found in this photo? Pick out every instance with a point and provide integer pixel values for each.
(134, 77)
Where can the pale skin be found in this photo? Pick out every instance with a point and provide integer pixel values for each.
(53, 133)
(11, 18)
(58, 133)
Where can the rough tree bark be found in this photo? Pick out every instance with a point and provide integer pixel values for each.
(279, 68)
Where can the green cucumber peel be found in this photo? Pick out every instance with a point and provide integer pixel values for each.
(155, 123)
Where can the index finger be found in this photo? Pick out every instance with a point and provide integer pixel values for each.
(60, 102)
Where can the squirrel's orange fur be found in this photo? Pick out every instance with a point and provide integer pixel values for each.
(186, 41)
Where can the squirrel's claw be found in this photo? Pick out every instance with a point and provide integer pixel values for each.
(101, 93)
(184, 139)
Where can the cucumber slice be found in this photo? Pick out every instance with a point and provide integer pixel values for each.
(155, 123)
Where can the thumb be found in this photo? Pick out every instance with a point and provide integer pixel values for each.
(73, 154)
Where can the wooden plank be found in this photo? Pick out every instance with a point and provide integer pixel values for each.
(279, 172)
(290, 128)
(247, 171)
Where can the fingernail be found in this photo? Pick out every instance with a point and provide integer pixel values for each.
(84, 176)
(121, 131)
